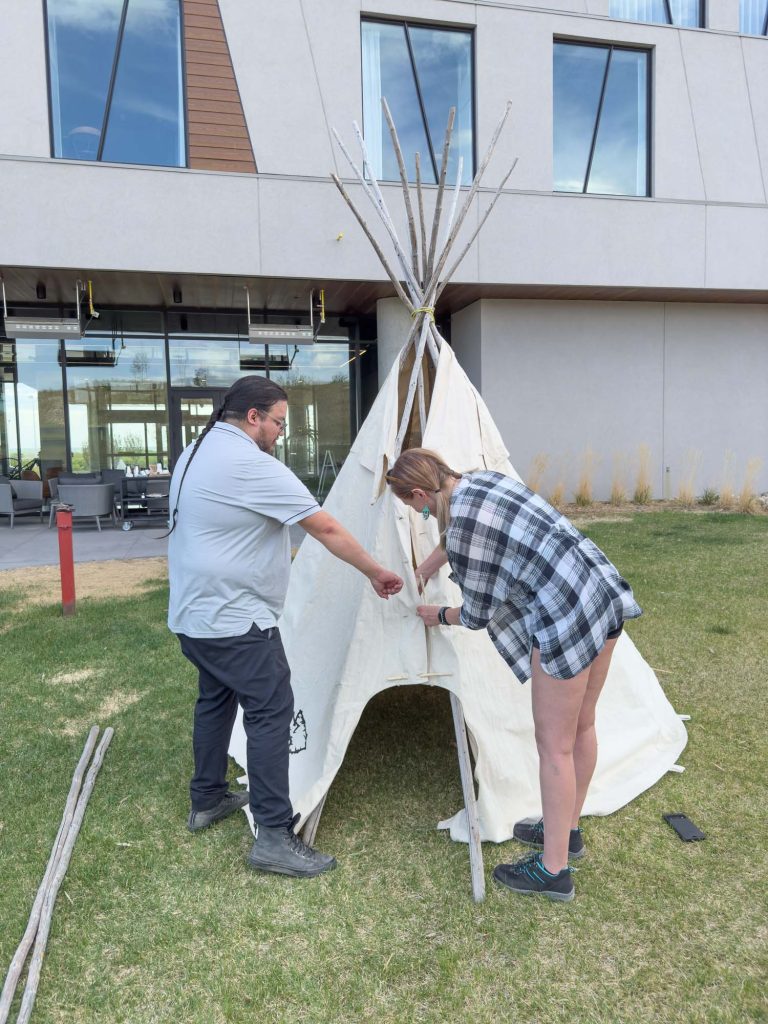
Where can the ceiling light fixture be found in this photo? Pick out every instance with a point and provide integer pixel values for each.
(35, 327)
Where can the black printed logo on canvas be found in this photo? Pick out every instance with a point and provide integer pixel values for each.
(298, 734)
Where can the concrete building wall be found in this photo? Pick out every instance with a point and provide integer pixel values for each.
(299, 74)
(687, 381)
(24, 125)
(562, 378)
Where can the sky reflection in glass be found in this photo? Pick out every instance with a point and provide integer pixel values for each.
(81, 51)
(579, 73)
(619, 162)
(444, 65)
(753, 16)
(616, 134)
(685, 13)
(146, 116)
(443, 61)
(145, 123)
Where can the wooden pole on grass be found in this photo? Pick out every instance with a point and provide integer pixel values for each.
(20, 956)
(46, 916)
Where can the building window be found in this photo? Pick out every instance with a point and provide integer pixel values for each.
(754, 17)
(601, 120)
(116, 83)
(422, 72)
(116, 402)
(683, 13)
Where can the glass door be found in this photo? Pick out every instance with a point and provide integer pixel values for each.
(190, 411)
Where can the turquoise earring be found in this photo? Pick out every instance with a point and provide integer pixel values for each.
(425, 512)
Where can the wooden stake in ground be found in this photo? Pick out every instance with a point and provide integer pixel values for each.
(418, 285)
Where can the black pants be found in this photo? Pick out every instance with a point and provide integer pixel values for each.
(251, 670)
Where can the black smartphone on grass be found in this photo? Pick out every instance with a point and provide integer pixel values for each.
(684, 827)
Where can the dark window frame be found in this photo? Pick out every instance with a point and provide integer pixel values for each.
(110, 90)
(602, 45)
(442, 26)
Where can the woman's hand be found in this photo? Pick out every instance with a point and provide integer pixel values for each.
(429, 567)
(428, 614)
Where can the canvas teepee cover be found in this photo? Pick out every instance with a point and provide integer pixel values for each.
(345, 645)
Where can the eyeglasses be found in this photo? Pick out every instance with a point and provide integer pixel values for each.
(280, 424)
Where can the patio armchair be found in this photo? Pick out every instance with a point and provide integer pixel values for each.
(21, 498)
(80, 478)
(89, 501)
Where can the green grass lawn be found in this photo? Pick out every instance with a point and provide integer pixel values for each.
(154, 924)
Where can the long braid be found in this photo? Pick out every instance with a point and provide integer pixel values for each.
(251, 392)
(213, 420)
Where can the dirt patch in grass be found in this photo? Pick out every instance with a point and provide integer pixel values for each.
(110, 706)
(66, 678)
(41, 584)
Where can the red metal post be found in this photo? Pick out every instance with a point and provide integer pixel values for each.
(66, 561)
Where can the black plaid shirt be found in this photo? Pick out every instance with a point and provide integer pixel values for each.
(525, 571)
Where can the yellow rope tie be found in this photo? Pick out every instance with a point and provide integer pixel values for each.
(424, 309)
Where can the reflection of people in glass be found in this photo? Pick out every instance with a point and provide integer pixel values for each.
(229, 558)
(554, 607)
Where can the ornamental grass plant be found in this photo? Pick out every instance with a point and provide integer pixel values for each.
(157, 925)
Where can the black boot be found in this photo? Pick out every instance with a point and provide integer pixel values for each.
(282, 852)
(228, 804)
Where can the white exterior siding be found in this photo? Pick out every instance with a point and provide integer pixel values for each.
(676, 377)
(687, 380)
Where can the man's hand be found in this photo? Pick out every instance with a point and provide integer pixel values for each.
(386, 583)
(340, 542)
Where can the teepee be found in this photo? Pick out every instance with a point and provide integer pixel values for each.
(345, 645)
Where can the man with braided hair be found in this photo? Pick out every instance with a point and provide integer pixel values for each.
(229, 558)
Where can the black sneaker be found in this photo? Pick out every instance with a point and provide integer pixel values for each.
(228, 804)
(282, 852)
(529, 877)
(531, 832)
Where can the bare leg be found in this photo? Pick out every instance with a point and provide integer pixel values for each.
(556, 707)
(585, 746)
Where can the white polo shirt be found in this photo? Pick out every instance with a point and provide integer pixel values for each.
(230, 555)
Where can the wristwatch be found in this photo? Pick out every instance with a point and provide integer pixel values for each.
(441, 616)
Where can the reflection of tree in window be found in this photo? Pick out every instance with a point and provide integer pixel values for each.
(140, 365)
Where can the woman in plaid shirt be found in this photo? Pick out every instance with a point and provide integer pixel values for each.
(554, 607)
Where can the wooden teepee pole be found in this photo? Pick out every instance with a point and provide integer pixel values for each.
(476, 870)
(377, 248)
(373, 192)
(440, 192)
(422, 225)
(41, 940)
(20, 956)
(453, 267)
(436, 272)
(406, 189)
(420, 304)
